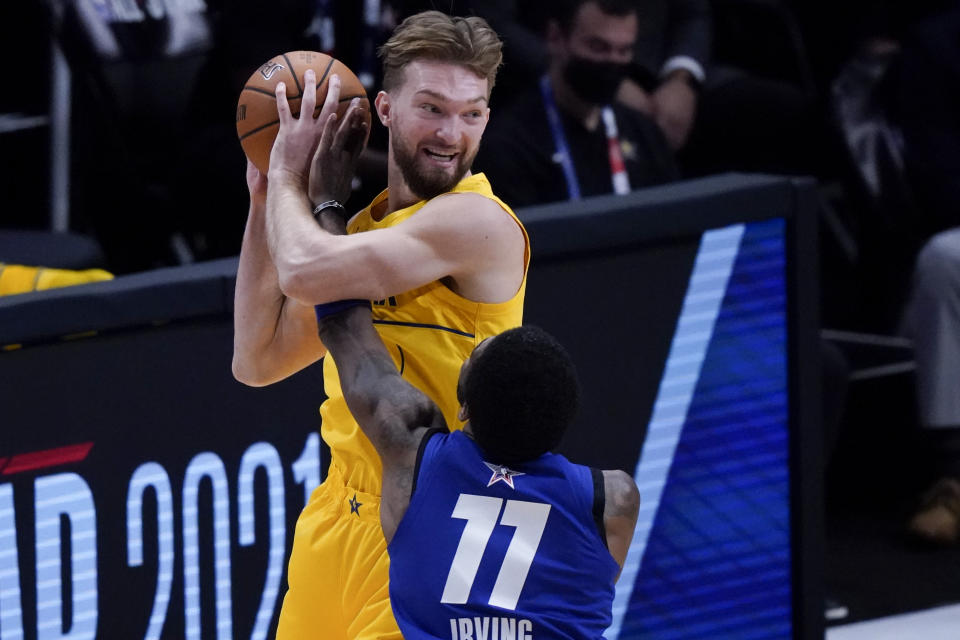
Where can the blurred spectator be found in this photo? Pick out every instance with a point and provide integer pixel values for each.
(671, 56)
(669, 59)
(565, 137)
(133, 68)
(897, 98)
(158, 170)
(928, 111)
(835, 32)
(929, 115)
(747, 111)
(932, 320)
(883, 86)
(757, 109)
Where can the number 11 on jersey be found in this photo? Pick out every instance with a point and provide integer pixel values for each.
(481, 513)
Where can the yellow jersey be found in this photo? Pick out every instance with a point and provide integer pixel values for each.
(430, 331)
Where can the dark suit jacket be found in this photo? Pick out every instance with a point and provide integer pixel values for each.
(671, 28)
(928, 110)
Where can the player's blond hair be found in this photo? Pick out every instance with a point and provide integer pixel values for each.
(432, 35)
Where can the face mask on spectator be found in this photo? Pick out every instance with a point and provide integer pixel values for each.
(594, 82)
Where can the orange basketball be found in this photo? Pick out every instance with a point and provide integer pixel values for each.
(257, 117)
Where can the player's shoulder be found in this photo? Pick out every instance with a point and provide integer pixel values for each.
(458, 199)
(473, 192)
(468, 211)
(622, 495)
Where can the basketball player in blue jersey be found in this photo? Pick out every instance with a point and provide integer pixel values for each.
(490, 535)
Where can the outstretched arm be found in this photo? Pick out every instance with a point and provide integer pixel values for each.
(392, 413)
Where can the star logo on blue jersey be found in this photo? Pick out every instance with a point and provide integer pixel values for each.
(502, 474)
(355, 505)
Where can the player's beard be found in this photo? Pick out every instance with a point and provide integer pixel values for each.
(427, 182)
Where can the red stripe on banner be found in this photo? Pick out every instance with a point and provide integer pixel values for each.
(3, 461)
(47, 458)
(616, 158)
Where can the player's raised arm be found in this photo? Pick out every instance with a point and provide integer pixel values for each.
(274, 336)
(388, 408)
(391, 412)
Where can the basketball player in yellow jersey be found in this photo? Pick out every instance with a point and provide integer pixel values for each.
(442, 258)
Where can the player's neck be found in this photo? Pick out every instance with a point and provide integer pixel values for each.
(569, 102)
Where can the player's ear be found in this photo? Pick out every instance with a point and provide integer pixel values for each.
(463, 415)
(382, 104)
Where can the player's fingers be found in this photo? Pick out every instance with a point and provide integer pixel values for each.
(356, 143)
(328, 135)
(319, 155)
(344, 129)
(309, 101)
(283, 107)
(359, 140)
(360, 127)
(332, 99)
(351, 119)
(360, 132)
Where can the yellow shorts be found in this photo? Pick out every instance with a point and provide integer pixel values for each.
(338, 569)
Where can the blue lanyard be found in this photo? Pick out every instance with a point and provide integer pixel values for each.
(559, 139)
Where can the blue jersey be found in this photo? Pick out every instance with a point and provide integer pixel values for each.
(490, 553)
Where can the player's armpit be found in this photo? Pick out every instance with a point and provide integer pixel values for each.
(620, 512)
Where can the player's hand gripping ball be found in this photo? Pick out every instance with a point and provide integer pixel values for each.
(257, 119)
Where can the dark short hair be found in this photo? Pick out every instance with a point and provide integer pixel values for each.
(565, 11)
(521, 393)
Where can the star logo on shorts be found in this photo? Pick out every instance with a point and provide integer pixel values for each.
(502, 474)
(355, 505)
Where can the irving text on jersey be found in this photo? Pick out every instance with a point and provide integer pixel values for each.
(490, 628)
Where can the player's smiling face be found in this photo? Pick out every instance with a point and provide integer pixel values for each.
(437, 117)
